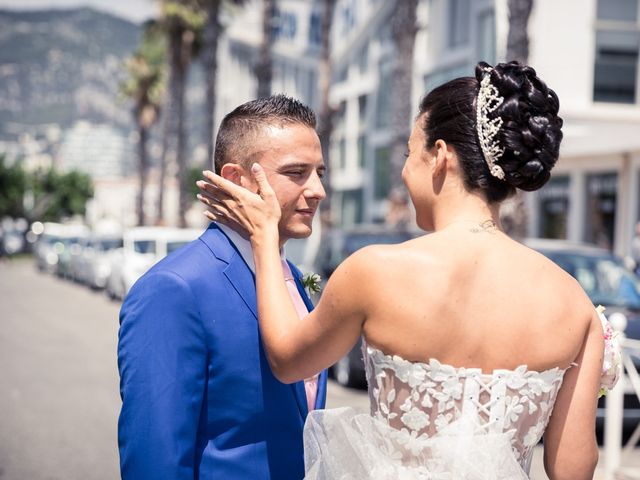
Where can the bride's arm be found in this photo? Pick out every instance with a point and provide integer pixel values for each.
(570, 448)
(296, 348)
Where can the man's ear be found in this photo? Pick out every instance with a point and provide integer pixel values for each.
(239, 175)
(232, 172)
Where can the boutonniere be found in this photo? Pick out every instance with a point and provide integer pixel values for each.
(311, 283)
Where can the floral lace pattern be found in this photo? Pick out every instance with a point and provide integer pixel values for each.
(420, 400)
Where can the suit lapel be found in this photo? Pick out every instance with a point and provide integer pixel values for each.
(243, 281)
(301, 394)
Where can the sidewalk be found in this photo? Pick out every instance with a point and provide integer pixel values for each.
(631, 466)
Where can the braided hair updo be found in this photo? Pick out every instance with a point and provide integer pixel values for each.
(530, 133)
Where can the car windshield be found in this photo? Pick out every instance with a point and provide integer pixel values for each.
(604, 278)
(144, 246)
(106, 245)
(173, 246)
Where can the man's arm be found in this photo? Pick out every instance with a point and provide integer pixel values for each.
(162, 359)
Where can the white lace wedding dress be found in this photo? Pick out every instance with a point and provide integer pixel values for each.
(433, 421)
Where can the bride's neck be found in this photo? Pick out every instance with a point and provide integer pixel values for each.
(469, 209)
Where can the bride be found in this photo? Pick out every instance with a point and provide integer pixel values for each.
(475, 346)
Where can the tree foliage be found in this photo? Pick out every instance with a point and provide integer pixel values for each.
(46, 195)
(13, 184)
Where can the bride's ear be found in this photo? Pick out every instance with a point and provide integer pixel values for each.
(441, 158)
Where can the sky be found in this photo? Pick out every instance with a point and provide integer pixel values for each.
(134, 10)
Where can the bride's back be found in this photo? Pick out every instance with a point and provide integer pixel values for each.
(474, 299)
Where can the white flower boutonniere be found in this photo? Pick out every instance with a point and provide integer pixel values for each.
(311, 283)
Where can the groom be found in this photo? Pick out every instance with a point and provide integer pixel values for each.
(198, 397)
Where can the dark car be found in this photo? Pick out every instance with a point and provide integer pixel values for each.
(602, 275)
(349, 371)
(607, 281)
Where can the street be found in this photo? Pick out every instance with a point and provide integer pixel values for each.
(59, 379)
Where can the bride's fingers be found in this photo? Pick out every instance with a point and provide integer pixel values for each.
(261, 179)
(209, 188)
(223, 184)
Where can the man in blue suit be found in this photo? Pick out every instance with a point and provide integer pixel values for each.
(199, 400)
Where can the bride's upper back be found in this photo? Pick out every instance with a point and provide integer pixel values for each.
(474, 300)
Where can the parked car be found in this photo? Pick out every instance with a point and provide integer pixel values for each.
(92, 267)
(339, 244)
(603, 276)
(54, 241)
(141, 248)
(69, 252)
(608, 282)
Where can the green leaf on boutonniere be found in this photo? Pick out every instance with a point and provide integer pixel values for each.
(311, 283)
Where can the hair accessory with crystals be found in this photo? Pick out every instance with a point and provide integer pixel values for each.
(487, 102)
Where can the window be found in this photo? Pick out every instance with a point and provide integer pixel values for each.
(554, 208)
(616, 58)
(458, 22)
(441, 76)
(383, 103)
(601, 209)
(363, 59)
(343, 153)
(351, 207)
(315, 29)
(362, 145)
(616, 67)
(382, 183)
(618, 10)
(362, 108)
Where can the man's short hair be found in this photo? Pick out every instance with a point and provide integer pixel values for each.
(241, 127)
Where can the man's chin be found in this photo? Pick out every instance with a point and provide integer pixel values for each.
(300, 231)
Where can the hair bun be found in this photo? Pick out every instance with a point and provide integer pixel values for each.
(532, 130)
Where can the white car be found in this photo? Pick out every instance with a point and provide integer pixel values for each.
(54, 243)
(96, 259)
(142, 248)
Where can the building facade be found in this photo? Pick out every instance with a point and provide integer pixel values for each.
(593, 195)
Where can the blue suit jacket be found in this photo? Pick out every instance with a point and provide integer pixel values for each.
(199, 400)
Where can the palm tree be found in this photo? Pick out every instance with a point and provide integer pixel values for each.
(326, 113)
(518, 38)
(144, 86)
(264, 66)
(211, 34)
(515, 213)
(403, 33)
(183, 22)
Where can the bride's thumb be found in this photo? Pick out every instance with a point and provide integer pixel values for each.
(261, 178)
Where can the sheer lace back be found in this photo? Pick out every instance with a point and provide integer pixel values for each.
(425, 399)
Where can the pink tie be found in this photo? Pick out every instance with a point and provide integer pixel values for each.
(310, 384)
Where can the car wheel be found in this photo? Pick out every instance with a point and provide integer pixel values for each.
(343, 372)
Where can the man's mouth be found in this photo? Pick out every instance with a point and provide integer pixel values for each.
(306, 211)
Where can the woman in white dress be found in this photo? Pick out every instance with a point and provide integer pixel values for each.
(475, 345)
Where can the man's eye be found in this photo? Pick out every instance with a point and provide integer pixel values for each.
(295, 173)
(321, 174)
(406, 154)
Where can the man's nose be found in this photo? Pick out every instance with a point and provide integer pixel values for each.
(315, 189)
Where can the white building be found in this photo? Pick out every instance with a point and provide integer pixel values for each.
(586, 50)
(98, 150)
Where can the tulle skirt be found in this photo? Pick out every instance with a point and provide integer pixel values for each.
(343, 444)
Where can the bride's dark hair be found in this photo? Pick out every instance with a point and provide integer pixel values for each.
(530, 134)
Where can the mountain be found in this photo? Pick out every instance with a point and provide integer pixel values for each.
(58, 66)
